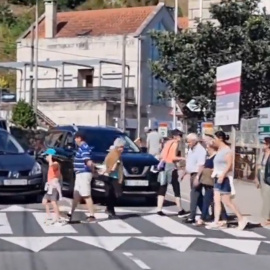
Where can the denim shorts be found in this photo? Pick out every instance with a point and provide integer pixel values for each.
(224, 187)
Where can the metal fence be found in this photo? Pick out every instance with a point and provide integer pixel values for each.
(84, 94)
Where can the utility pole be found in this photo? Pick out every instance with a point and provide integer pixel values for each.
(36, 61)
(175, 31)
(31, 68)
(123, 89)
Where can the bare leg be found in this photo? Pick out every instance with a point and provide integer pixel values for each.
(178, 203)
(75, 201)
(226, 199)
(90, 205)
(56, 210)
(217, 208)
(47, 208)
(160, 202)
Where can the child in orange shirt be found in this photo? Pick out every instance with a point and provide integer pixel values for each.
(53, 188)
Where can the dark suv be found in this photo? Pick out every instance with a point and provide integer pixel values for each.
(139, 179)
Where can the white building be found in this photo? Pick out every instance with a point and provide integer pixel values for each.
(200, 9)
(75, 44)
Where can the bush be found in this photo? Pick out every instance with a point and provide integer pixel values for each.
(23, 115)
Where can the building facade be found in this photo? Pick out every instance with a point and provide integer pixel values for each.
(85, 49)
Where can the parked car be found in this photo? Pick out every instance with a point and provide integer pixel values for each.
(20, 174)
(139, 178)
(7, 96)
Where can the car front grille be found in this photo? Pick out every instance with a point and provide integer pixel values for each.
(135, 170)
(23, 173)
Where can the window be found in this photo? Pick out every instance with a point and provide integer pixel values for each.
(102, 141)
(89, 80)
(9, 145)
(54, 139)
(69, 141)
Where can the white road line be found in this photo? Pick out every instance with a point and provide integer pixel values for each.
(242, 234)
(51, 229)
(139, 262)
(118, 226)
(5, 227)
(171, 225)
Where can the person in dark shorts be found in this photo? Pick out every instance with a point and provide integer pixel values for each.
(53, 189)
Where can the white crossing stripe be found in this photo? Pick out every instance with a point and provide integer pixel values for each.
(171, 225)
(52, 229)
(5, 227)
(242, 234)
(118, 226)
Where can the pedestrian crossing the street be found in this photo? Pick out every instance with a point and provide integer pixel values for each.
(25, 228)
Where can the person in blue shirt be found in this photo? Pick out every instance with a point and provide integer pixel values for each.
(83, 168)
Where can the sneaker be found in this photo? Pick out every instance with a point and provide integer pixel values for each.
(190, 221)
(69, 217)
(213, 226)
(160, 213)
(183, 213)
(91, 219)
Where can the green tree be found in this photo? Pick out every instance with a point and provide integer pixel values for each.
(23, 115)
(188, 60)
(6, 15)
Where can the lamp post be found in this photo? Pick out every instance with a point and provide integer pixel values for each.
(175, 31)
(36, 60)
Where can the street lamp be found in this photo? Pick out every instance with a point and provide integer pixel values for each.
(36, 60)
(175, 31)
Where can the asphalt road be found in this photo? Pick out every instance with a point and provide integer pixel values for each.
(136, 240)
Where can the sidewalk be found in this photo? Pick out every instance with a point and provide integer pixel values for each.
(247, 198)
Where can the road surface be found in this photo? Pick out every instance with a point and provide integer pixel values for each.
(137, 240)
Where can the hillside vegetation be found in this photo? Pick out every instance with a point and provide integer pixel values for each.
(17, 15)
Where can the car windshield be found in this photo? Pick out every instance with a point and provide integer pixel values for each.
(101, 142)
(9, 145)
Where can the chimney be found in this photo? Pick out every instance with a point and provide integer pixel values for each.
(50, 18)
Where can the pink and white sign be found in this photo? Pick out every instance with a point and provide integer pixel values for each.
(228, 94)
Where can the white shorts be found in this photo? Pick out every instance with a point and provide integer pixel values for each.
(83, 184)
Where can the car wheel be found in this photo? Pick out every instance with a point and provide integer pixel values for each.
(151, 201)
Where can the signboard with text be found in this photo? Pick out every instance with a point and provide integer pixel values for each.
(228, 94)
(264, 123)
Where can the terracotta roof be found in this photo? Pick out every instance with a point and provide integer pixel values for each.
(99, 22)
(183, 22)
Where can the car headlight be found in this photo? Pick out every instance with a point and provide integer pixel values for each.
(36, 169)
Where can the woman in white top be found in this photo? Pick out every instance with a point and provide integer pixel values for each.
(222, 173)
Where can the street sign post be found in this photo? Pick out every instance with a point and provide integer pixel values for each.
(163, 130)
(228, 94)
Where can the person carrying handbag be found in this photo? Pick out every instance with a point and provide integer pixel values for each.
(169, 173)
(112, 175)
(263, 181)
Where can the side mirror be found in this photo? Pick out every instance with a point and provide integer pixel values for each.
(144, 149)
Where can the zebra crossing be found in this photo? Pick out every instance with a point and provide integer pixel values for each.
(25, 228)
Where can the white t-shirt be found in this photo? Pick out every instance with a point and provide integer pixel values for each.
(195, 158)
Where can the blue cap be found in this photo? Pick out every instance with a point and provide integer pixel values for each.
(50, 152)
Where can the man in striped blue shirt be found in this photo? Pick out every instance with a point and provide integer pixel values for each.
(83, 168)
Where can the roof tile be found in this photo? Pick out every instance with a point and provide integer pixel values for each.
(99, 22)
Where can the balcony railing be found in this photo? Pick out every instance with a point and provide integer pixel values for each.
(83, 94)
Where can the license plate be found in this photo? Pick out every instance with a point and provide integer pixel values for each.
(133, 183)
(17, 182)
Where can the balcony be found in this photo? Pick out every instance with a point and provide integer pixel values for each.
(97, 93)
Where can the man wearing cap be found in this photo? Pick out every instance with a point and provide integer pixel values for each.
(83, 167)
